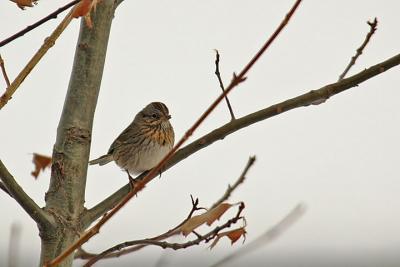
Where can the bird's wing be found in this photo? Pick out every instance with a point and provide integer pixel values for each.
(127, 136)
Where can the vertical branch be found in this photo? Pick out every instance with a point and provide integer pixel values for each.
(221, 84)
(66, 194)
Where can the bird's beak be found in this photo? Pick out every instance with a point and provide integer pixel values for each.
(169, 117)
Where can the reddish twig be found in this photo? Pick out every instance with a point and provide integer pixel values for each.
(3, 70)
(221, 84)
(373, 27)
(52, 15)
(138, 186)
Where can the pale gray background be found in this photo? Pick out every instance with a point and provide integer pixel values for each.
(341, 158)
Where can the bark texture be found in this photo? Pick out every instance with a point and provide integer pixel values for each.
(65, 197)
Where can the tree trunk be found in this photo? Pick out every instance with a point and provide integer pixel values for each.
(65, 197)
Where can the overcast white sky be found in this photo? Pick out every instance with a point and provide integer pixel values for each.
(341, 158)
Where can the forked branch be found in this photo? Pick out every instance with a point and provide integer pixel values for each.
(175, 246)
(373, 27)
(221, 83)
(132, 246)
(33, 210)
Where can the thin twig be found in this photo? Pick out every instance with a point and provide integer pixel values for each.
(239, 181)
(373, 27)
(220, 133)
(3, 70)
(138, 186)
(27, 203)
(270, 235)
(221, 84)
(112, 254)
(52, 15)
(108, 253)
(175, 246)
(48, 43)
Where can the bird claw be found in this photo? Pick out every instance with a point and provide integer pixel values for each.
(131, 180)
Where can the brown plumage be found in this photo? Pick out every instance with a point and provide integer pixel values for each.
(143, 144)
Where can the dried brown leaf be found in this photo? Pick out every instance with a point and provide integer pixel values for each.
(208, 217)
(233, 235)
(217, 212)
(41, 162)
(83, 9)
(24, 3)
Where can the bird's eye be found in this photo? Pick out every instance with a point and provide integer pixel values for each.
(155, 116)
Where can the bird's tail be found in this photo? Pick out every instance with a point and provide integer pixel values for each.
(102, 160)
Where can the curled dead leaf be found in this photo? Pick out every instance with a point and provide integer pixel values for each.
(83, 9)
(24, 3)
(208, 217)
(233, 235)
(41, 162)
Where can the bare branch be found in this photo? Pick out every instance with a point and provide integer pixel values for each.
(112, 254)
(138, 186)
(52, 15)
(270, 235)
(110, 202)
(175, 246)
(233, 126)
(373, 27)
(221, 84)
(239, 181)
(13, 188)
(48, 43)
(174, 231)
(3, 70)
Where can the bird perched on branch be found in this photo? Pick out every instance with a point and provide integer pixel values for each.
(143, 144)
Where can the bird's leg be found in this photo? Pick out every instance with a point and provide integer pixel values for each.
(131, 180)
